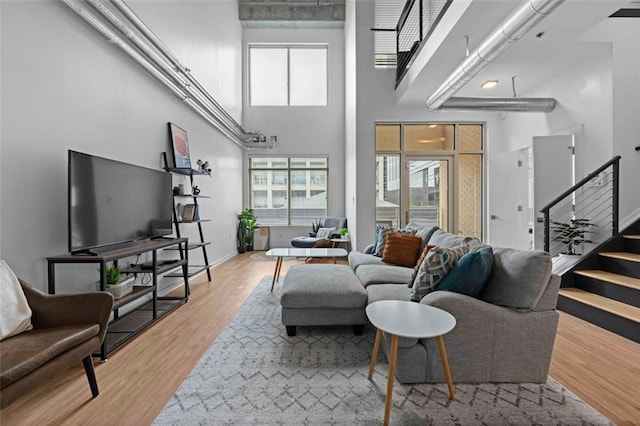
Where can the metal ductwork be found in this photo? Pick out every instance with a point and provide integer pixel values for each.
(166, 68)
(501, 104)
(516, 25)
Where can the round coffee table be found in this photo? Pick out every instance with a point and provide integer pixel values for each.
(408, 319)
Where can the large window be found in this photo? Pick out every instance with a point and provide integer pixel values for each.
(430, 174)
(288, 191)
(288, 75)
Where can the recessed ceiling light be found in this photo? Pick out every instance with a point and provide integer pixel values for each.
(433, 126)
(489, 84)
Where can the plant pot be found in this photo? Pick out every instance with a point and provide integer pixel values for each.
(249, 247)
(122, 288)
(242, 249)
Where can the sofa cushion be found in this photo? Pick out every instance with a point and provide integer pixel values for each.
(518, 278)
(357, 259)
(15, 313)
(424, 232)
(378, 292)
(438, 262)
(27, 351)
(383, 274)
(470, 273)
(401, 249)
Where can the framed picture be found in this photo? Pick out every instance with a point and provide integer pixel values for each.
(179, 147)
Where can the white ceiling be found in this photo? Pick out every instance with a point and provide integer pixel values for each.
(531, 59)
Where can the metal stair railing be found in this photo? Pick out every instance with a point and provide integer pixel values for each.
(592, 201)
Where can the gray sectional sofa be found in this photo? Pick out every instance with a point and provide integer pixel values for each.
(506, 334)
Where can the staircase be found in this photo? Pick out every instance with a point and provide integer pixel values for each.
(604, 288)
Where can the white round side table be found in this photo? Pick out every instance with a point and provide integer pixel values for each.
(408, 319)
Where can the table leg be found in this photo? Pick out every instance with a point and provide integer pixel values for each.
(374, 356)
(445, 366)
(392, 376)
(276, 273)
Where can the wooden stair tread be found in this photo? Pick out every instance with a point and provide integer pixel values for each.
(632, 257)
(632, 237)
(610, 277)
(612, 306)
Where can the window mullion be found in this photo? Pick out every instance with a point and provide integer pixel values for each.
(289, 79)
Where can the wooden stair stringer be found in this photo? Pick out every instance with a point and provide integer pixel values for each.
(619, 309)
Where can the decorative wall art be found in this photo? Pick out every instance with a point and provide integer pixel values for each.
(180, 147)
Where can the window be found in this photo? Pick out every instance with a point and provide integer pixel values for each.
(430, 174)
(288, 191)
(288, 75)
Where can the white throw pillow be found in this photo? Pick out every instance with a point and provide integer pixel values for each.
(15, 313)
(325, 233)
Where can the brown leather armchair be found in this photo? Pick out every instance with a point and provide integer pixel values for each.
(67, 328)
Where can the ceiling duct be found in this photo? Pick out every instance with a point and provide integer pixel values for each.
(514, 27)
(502, 104)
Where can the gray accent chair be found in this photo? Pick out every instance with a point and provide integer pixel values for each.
(329, 222)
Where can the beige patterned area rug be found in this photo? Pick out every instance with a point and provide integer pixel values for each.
(255, 374)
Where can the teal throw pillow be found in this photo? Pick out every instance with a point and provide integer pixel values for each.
(470, 273)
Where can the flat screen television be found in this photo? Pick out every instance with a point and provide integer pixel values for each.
(111, 202)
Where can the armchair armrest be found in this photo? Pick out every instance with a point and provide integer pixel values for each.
(58, 310)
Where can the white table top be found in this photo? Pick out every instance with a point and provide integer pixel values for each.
(410, 319)
(307, 252)
(340, 240)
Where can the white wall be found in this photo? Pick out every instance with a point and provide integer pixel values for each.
(376, 102)
(65, 87)
(350, 95)
(600, 98)
(318, 130)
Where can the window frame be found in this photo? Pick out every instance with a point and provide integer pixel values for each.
(288, 47)
(289, 169)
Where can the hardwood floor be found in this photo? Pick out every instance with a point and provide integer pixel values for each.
(136, 382)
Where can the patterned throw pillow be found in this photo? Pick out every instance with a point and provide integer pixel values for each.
(418, 264)
(401, 249)
(325, 233)
(437, 263)
(381, 239)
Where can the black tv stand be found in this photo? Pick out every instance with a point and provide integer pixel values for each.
(85, 253)
(128, 323)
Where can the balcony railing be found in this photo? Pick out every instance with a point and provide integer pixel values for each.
(416, 23)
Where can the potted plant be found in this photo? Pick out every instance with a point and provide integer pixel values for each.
(247, 224)
(572, 234)
(344, 233)
(118, 284)
(315, 226)
(241, 235)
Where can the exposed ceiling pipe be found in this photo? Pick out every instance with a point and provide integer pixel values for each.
(501, 104)
(206, 112)
(179, 66)
(516, 25)
(160, 63)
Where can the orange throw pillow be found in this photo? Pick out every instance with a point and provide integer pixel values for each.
(401, 249)
(425, 251)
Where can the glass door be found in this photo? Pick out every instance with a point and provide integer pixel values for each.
(427, 195)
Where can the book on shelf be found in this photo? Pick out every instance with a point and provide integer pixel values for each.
(188, 212)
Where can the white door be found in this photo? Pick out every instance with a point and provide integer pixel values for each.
(552, 175)
(508, 200)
